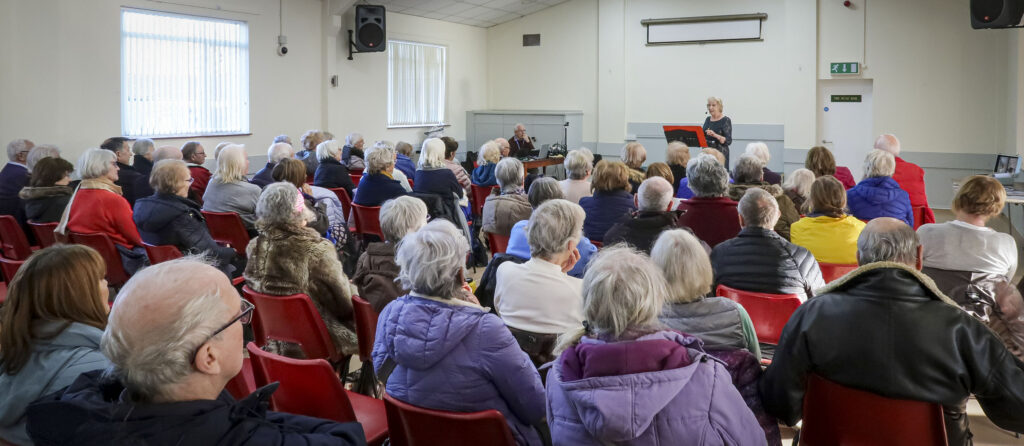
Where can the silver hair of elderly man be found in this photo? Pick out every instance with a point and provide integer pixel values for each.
(759, 209)
(654, 194)
(748, 169)
(886, 239)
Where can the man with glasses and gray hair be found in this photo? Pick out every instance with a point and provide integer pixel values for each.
(886, 328)
(173, 350)
(758, 259)
(13, 178)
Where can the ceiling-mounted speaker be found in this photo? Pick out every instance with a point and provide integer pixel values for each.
(370, 30)
(996, 13)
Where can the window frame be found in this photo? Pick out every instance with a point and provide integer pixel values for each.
(192, 133)
(444, 122)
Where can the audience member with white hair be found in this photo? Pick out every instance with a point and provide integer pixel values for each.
(13, 177)
(483, 174)
(309, 142)
(168, 217)
(579, 165)
(376, 269)
(887, 329)
(722, 324)
(641, 227)
(143, 149)
(432, 175)
(798, 188)
(503, 146)
(331, 173)
(378, 185)
(352, 154)
(42, 151)
(677, 155)
(290, 258)
(48, 191)
(554, 231)
(878, 195)
(52, 321)
(220, 146)
(404, 160)
(611, 200)
(749, 172)
(760, 150)
(98, 207)
(710, 213)
(194, 155)
(684, 191)
(229, 190)
(909, 176)
(174, 349)
(542, 190)
(126, 175)
(396, 173)
(508, 204)
(277, 152)
(476, 364)
(142, 187)
(649, 377)
(759, 259)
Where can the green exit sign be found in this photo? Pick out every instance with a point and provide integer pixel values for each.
(846, 98)
(844, 68)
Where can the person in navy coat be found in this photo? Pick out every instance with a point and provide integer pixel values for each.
(377, 184)
(13, 177)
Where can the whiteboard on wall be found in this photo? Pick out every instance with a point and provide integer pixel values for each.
(704, 29)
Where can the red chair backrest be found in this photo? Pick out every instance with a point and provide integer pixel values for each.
(411, 183)
(355, 178)
(294, 319)
(366, 326)
(116, 275)
(44, 233)
(498, 243)
(920, 212)
(13, 243)
(346, 201)
(596, 243)
(480, 194)
(8, 268)
(411, 425)
(161, 253)
(768, 312)
(368, 220)
(833, 271)
(244, 383)
(227, 228)
(308, 386)
(835, 414)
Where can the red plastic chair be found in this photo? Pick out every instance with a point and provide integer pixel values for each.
(497, 243)
(116, 275)
(13, 243)
(310, 387)
(920, 212)
(227, 228)
(355, 178)
(346, 201)
(835, 414)
(366, 331)
(44, 233)
(768, 312)
(244, 383)
(596, 243)
(411, 184)
(833, 271)
(293, 318)
(161, 253)
(8, 268)
(368, 220)
(417, 426)
(480, 194)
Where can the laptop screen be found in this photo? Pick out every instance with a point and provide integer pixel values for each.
(1007, 164)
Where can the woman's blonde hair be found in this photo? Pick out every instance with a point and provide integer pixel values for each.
(610, 176)
(717, 101)
(231, 164)
(633, 154)
(715, 153)
(677, 153)
(311, 139)
(61, 284)
(685, 264)
(980, 195)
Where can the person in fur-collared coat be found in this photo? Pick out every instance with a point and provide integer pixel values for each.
(288, 258)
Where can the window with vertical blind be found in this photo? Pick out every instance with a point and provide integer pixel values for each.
(183, 75)
(416, 84)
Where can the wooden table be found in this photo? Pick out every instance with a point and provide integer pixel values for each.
(542, 163)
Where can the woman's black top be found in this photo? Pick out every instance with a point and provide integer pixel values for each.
(722, 127)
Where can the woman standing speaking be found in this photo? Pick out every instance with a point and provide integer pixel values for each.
(718, 128)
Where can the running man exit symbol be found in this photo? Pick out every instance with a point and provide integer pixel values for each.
(845, 67)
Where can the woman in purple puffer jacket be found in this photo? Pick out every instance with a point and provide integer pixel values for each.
(626, 380)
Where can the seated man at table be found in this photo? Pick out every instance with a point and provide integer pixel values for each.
(520, 144)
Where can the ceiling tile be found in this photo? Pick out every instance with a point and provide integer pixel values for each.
(490, 15)
(455, 8)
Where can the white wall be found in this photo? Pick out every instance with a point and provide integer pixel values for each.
(61, 78)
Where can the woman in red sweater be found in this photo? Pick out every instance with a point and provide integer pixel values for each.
(98, 207)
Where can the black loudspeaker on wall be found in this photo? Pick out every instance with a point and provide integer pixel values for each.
(996, 13)
(370, 29)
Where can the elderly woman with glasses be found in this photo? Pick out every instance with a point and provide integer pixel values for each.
(378, 183)
(441, 352)
(98, 207)
(376, 269)
(290, 258)
(646, 378)
(168, 217)
(508, 204)
(229, 191)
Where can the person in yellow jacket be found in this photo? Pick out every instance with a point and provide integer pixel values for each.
(827, 231)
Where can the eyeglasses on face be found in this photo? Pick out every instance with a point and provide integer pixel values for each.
(244, 316)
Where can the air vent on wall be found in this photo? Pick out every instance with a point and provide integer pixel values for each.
(531, 39)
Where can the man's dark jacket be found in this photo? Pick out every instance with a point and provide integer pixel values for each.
(641, 228)
(93, 411)
(331, 174)
(887, 329)
(760, 260)
(165, 219)
(126, 178)
(264, 176)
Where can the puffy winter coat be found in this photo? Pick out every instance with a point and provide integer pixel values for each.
(910, 177)
(91, 413)
(45, 204)
(788, 210)
(165, 219)
(668, 392)
(375, 189)
(484, 175)
(375, 275)
(830, 239)
(760, 260)
(452, 355)
(603, 209)
(880, 197)
(332, 174)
